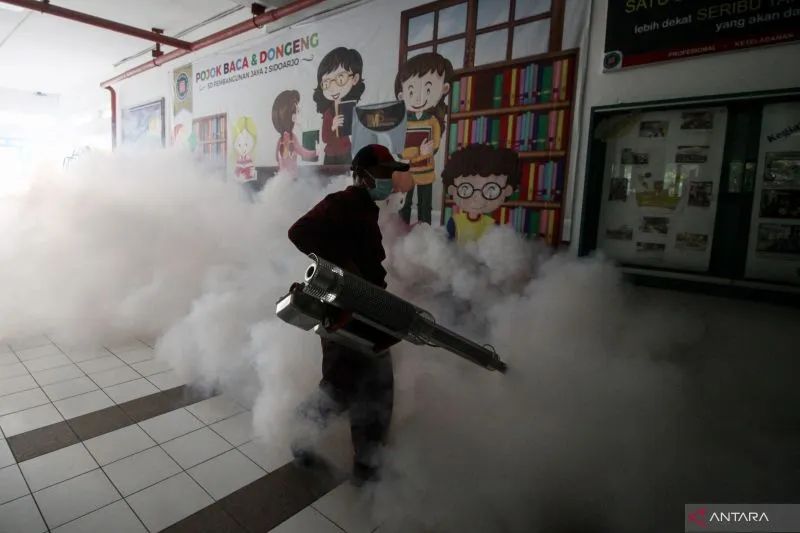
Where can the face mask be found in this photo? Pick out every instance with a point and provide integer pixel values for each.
(382, 189)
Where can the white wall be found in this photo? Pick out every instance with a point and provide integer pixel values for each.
(157, 83)
(756, 69)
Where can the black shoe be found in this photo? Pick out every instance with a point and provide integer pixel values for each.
(364, 474)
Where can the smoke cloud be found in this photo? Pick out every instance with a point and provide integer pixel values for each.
(620, 404)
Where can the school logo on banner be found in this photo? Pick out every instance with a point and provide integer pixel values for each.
(182, 89)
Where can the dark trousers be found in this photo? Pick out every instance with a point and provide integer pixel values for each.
(362, 384)
(424, 204)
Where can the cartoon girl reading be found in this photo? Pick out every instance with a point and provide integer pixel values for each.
(244, 141)
(339, 86)
(285, 115)
(423, 83)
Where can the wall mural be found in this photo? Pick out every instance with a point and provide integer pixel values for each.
(360, 96)
(423, 83)
(340, 84)
(245, 135)
(480, 179)
(285, 116)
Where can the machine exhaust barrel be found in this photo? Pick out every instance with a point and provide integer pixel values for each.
(381, 309)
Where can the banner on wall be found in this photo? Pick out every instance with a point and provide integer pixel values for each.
(661, 187)
(774, 246)
(648, 31)
(182, 89)
(268, 59)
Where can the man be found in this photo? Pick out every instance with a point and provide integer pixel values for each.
(343, 228)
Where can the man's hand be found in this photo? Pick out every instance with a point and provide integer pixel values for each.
(341, 321)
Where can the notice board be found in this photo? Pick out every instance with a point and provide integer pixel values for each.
(639, 32)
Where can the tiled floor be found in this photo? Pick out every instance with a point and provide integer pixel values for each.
(121, 469)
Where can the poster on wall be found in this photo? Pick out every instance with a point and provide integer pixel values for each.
(182, 89)
(314, 94)
(661, 185)
(639, 32)
(182, 120)
(143, 125)
(774, 246)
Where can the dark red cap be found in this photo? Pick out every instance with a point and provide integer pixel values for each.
(376, 155)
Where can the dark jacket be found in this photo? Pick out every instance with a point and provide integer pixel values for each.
(343, 228)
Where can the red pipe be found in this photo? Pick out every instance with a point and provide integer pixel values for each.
(46, 7)
(113, 117)
(232, 31)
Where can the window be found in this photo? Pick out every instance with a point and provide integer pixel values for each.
(212, 138)
(472, 33)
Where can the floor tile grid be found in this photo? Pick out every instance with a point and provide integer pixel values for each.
(117, 488)
(88, 376)
(233, 447)
(16, 353)
(36, 503)
(150, 378)
(310, 506)
(182, 469)
(125, 498)
(148, 486)
(236, 446)
(41, 387)
(99, 508)
(83, 374)
(38, 386)
(29, 373)
(124, 365)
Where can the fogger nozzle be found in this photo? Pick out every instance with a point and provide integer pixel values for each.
(323, 280)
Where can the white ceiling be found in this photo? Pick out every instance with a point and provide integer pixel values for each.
(55, 55)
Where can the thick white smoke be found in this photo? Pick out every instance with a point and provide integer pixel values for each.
(592, 428)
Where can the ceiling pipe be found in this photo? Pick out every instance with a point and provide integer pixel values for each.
(183, 32)
(46, 7)
(113, 117)
(232, 31)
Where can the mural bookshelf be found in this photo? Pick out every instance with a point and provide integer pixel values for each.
(525, 105)
(211, 135)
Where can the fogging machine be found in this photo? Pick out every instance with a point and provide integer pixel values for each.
(347, 309)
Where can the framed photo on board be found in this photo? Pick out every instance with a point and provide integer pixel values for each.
(143, 125)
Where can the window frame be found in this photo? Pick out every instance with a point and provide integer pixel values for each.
(555, 15)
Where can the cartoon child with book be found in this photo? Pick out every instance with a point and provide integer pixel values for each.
(479, 179)
(340, 84)
(423, 83)
(244, 142)
(285, 116)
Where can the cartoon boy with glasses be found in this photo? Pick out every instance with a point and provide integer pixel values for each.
(479, 179)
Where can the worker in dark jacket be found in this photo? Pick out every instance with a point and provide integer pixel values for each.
(343, 228)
